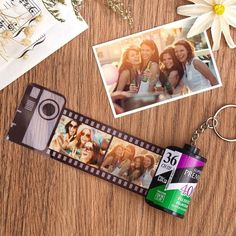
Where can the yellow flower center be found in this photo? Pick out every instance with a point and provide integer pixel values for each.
(219, 9)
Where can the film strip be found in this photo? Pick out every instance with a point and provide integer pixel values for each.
(42, 123)
(96, 172)
(114, 133)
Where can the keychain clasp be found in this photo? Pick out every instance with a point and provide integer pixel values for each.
(215, 126)
(212, 123)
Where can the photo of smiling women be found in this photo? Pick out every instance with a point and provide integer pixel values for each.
(80, 141)
(66, 142)
(159, 65)
(130, 162)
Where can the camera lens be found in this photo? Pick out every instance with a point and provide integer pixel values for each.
(48, 109)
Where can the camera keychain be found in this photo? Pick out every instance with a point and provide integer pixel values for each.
(44, 124)
(178, 172)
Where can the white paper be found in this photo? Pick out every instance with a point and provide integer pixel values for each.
(49, 36)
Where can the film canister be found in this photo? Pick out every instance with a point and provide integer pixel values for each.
(175, 180)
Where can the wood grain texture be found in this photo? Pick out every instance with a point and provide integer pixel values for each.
(39, 196)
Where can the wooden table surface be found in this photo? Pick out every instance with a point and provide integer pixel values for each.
(40, 196)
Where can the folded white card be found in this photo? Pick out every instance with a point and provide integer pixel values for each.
(35, 35)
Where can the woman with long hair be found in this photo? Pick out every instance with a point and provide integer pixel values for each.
(65, 143)
(136, 170)
(197, 75)
(84, 136)
(149, 69)
(128, 68)
(114, 157)
(171, 73)
(122, 168)
(90, 154)
(148, 164)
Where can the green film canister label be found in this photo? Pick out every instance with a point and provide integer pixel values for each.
(174, 182)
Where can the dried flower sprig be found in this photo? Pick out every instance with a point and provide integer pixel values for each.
(4, 37)
(8, 36)
(51, 5)
(120, 9)
(77, 6)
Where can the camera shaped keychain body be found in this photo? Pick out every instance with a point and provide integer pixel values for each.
(36, 117)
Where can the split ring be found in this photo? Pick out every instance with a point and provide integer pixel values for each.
(215, 126)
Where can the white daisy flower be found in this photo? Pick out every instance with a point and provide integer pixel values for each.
(217, 14)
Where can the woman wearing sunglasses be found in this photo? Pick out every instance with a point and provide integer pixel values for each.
(65, 143)
(90, 153)
(83, 137)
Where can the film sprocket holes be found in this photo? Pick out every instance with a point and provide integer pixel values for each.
(42, 123)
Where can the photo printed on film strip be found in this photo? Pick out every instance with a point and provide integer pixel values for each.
(105, 152)
(43, 124)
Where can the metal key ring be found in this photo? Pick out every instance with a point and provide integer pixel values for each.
(214, 126)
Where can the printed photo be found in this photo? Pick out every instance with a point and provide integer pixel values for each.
(80, 141)
(130, 162)
(155, 67)
(98, 149)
